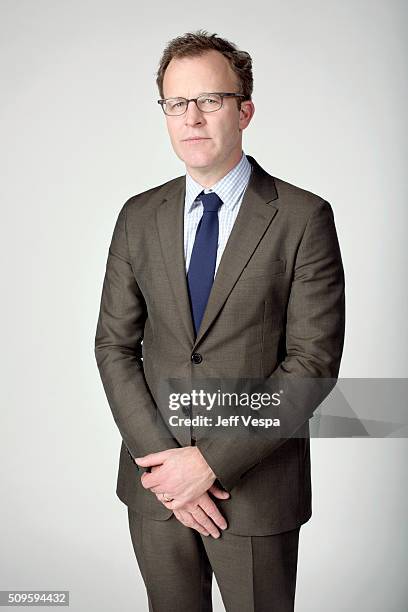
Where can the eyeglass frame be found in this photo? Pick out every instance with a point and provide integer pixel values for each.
(188, 100)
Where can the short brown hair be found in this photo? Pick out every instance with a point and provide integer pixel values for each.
(196, 43)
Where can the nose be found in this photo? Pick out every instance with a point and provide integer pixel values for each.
(193, 116)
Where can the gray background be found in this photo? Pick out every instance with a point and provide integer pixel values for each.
(82, 132)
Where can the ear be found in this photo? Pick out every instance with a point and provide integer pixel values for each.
(246, 113)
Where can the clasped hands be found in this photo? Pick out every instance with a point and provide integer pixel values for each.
(185, 477)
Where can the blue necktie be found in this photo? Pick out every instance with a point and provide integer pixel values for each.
(200, 275)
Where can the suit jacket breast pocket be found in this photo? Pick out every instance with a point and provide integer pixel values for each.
(270, 268)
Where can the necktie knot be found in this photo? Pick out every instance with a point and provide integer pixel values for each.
(211, 201)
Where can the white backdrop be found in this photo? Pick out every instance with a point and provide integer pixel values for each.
(81, 132)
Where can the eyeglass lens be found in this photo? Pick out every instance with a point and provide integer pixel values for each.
(206, 103)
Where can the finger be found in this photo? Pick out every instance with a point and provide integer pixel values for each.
(161, 500)
(156, 490)
(152, 459)
(181, 516)
(219, 493)
(150, 480)
(204, 520)
(212, 512)
(189, 521)
(176, 504)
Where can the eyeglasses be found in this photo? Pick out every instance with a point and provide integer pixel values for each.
(206, 102)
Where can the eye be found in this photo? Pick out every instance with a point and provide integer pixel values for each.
(176, 104)
(209, 101)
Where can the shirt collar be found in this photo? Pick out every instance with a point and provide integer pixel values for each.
(228, 188)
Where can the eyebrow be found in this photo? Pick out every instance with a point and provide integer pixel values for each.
(203, 93)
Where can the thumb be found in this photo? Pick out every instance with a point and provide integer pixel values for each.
(217, 492)
(151, 459)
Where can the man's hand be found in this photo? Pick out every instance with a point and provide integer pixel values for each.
(183, 475)
(202, 514)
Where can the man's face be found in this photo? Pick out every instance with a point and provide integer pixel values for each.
(217, 135)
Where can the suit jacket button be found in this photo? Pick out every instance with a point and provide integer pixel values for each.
(196, 358)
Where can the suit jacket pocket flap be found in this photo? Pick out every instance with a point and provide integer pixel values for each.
(269, 269)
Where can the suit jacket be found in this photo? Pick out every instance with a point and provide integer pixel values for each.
(276, 309)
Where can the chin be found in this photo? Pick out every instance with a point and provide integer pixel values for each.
(196, 158)
(198, 161)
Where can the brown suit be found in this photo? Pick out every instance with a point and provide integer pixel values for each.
(276, 309)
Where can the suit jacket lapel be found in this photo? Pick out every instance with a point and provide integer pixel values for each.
(170, 221)
(255, 215)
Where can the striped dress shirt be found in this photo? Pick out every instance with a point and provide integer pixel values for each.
(230, 189)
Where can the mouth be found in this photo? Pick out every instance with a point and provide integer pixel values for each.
(194, 139)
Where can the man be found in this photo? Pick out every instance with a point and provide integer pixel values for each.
(226, 272)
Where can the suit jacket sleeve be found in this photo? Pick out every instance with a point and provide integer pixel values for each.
(314, 344)
(117, 350)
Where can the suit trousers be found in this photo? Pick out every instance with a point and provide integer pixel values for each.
(254, 573)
